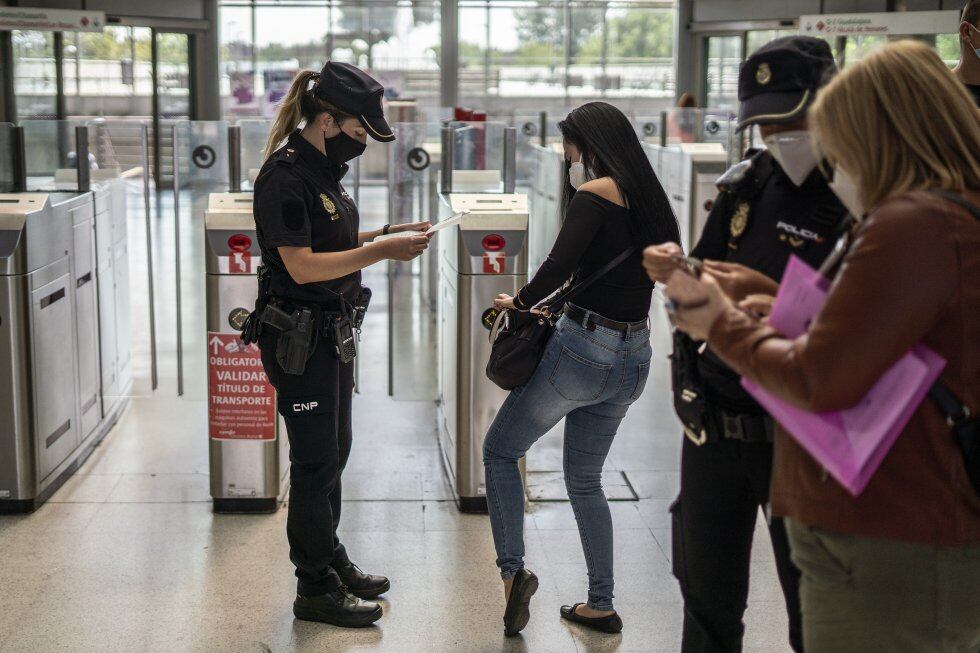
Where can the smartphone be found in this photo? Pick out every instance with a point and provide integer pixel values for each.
(689, 263)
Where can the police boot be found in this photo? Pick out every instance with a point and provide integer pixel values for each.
(338, 608)
(361, 585)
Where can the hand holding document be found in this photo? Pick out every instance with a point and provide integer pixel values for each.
(851, 443)
(439, 226)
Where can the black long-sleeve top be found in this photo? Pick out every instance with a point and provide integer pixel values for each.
(595, 232)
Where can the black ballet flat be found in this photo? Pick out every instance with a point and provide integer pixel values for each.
(518, 612)
(608, 624)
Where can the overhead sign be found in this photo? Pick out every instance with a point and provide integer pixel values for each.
(241, 401)
(51, 20)
(893, 23)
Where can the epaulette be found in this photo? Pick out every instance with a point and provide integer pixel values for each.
(751, 171)
(285, 155)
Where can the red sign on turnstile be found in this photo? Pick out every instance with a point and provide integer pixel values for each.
(239, 263)
(494, 263)
(241, 401)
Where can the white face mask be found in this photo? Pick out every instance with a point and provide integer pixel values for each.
(847, 192)
(793, 151)
(969, 40)
(577, 174)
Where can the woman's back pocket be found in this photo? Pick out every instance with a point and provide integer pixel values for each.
(576, 378)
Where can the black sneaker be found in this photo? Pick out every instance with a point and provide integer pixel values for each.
(517, 612)
(361, 585)
(338, 608)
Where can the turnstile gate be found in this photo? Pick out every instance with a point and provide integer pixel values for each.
(249, 458)
(487, 256)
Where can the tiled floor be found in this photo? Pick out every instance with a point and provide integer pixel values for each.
(128, 556)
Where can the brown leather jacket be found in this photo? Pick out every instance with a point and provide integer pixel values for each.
(912, 275)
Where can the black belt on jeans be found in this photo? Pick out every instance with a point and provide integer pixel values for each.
(591, 320)
(745, 428)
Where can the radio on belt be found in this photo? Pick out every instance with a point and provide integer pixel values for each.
(487, 256)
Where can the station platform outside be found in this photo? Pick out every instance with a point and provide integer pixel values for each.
(128, 556)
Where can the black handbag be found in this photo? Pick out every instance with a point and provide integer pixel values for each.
(518, 338)
(964, 425)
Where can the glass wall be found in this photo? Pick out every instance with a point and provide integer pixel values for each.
(519, 57)
(264, 44)
(109, 73)
(722, 60)
(516, 57)
(35, 75)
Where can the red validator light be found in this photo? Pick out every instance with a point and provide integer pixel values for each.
(493, 242)
(239, 243)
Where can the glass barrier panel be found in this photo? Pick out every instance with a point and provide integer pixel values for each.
(49, 147)
(253, 136)
(544, 198)
(200, 153)
(648, 128)
(414, 160)
(478, 156)
(6, 158)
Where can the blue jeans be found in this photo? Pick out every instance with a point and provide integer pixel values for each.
(590, 378)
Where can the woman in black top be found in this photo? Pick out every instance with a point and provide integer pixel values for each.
(597, 361)
(308, 231)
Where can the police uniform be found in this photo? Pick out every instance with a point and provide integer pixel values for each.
(300, 202)
(759, 219)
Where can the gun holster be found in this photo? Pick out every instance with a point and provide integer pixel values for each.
(297, 336)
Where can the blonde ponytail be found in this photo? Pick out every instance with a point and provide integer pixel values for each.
(290, 112)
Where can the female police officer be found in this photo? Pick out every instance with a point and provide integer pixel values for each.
(309, 295)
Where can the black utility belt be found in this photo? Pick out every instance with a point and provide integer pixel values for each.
(300, 328)
(743, 427)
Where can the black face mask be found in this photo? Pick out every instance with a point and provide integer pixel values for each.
(342, 148)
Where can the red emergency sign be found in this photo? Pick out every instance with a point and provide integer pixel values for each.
(494, 263)
(241, 401)
(240, 262)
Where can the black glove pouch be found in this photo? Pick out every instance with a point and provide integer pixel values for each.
(689, 401)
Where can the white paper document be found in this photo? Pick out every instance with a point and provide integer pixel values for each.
(439, 226)
(448, 222)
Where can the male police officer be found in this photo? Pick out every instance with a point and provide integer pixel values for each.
(774, 204)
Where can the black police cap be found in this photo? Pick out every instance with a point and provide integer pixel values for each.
(353, 91)
(779, 81)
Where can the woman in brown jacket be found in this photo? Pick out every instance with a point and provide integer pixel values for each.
(896, 568)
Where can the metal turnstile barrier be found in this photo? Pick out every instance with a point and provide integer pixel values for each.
(65, 350)
(485, 257)
(248, 450)
(688, 172)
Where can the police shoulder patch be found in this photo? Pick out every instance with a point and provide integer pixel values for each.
(734, 175)
(285, 155)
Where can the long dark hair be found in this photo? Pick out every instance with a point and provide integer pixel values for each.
(610, 148)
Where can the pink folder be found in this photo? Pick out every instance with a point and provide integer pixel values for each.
(850, 444)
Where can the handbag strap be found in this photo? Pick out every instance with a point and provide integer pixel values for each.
(592, 278)
(953, 409)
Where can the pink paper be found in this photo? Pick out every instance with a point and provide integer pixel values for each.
(850, 444)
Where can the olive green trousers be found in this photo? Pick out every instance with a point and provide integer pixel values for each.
(865, 594)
